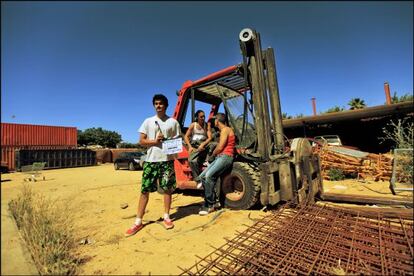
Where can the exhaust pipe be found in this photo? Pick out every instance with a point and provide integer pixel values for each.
(314, 106)
(387, 93)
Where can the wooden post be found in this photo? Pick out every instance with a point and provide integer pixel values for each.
(366, 199)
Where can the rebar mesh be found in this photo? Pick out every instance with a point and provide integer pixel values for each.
(315, 240)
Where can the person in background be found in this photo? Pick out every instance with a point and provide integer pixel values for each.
(197, 138)
(223, 153)
(158, 168)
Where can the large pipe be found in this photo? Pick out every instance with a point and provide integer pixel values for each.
(387, 92)
(314, 106)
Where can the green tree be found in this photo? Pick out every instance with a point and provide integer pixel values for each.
(286, 116)
(335, 109)
(300, 115)
(125, 145)
(98, 136)
(356, 103)
(404, 98)
(407, 97)
(395, 98)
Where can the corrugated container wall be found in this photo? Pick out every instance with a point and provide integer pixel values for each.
(37, 135)
(22, 136)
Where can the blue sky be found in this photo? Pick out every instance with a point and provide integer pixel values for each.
(98, 64)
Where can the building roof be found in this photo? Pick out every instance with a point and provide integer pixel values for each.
(364, 113)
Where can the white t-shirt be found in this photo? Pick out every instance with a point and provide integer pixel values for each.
(170, 128)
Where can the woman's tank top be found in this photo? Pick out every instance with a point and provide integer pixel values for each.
(198, 134)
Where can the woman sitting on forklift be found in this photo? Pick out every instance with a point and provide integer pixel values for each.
(197, 138)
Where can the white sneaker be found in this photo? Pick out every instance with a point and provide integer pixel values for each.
(199, 185)
(205, 211)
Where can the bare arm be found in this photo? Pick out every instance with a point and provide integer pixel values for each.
(187, 137)
(224, 135)
(145, 142)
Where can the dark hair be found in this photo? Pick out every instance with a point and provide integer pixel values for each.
(198, 113)
(160, 97)
(221, 117)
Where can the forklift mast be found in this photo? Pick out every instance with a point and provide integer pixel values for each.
(262, 72)
(262, 75)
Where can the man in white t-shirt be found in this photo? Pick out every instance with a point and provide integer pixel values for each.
(158, 168)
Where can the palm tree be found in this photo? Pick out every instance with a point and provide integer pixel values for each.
(356, 103)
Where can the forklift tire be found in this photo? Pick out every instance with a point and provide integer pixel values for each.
(240, 189)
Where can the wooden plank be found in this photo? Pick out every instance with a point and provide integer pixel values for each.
(373, 212)
(367, 199)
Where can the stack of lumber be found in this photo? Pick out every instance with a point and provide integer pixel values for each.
(365, 165)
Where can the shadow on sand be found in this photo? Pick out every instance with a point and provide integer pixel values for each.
(187, 210)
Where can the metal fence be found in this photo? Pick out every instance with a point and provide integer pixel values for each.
(54, 159)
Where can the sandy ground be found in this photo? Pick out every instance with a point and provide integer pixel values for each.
(95, 195)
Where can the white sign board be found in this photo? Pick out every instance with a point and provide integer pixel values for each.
(172, 146)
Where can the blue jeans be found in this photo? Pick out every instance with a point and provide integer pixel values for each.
(210, 175)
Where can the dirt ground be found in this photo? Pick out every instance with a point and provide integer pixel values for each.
(96, 194)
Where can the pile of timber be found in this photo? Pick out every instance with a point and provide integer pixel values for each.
(365, 165)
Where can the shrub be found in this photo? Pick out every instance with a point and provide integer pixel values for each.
(47, 229)
(125, 145)
(335, 109)
(400, 133)
(336, 174)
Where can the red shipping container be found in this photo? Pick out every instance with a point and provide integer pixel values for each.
(37, 135)
(22, 136)
(7, 157)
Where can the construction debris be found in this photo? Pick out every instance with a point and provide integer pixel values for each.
(364, 165)
(317, 240)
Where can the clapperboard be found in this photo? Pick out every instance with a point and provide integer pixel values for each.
(172, 146)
